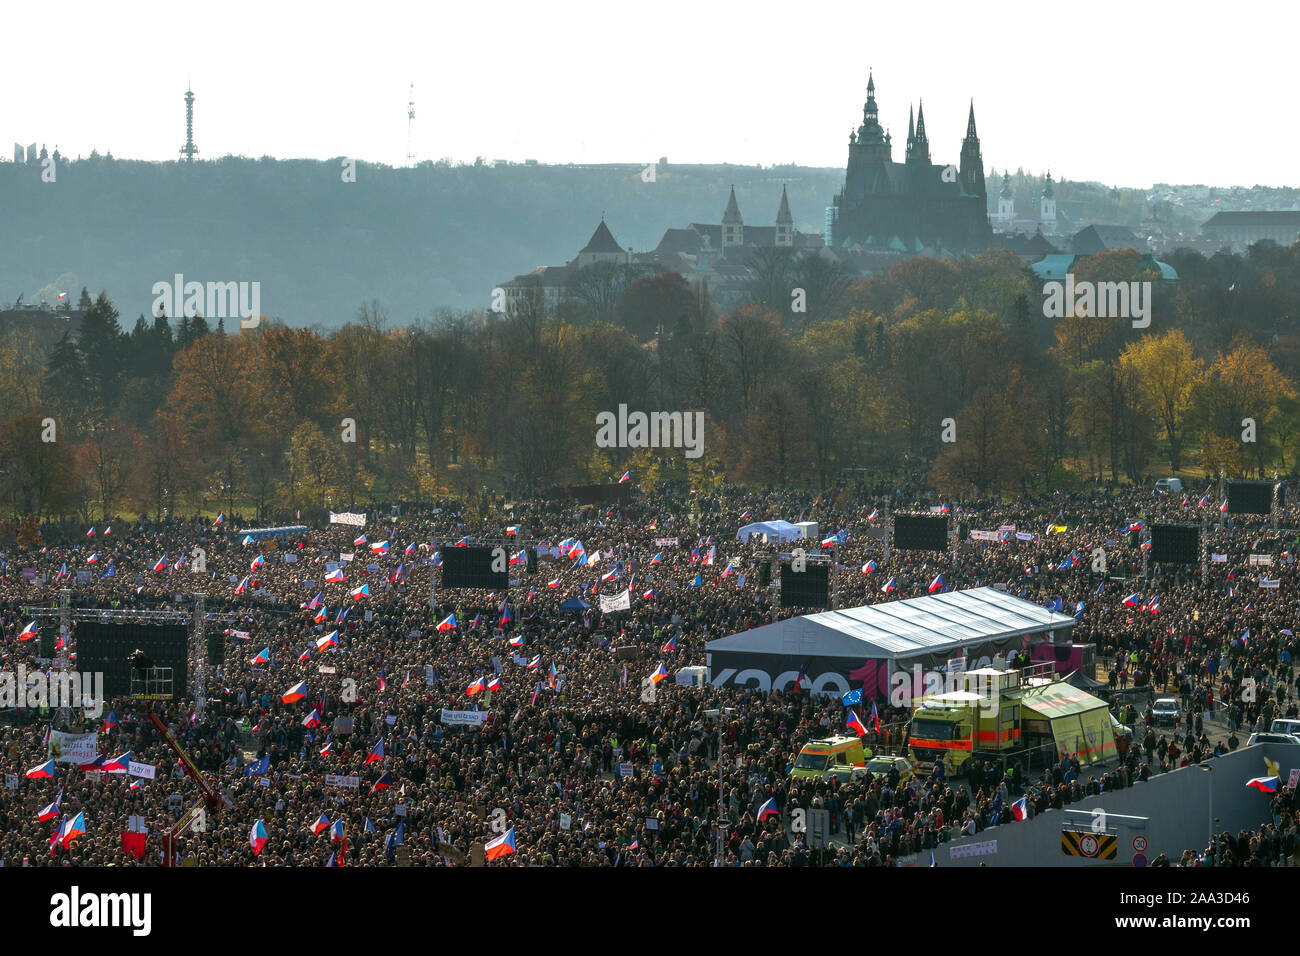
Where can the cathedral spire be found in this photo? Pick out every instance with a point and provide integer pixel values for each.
(920, 121)
(970, 123)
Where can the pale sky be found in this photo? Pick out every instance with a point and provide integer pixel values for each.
(1121, 92)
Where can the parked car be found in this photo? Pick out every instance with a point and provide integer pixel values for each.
(1267, 738)
(1286, 725)
(1164, 711)
(1169, 486)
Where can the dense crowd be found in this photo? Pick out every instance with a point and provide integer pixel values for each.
(571, 713)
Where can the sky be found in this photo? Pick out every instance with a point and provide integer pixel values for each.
(1124, 93)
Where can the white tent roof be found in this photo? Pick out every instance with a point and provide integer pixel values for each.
(900, 629)
(781, 530)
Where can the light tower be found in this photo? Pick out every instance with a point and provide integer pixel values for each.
(189, 149)
(410, 126)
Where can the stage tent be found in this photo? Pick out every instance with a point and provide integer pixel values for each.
(862, 646)
(775, 531)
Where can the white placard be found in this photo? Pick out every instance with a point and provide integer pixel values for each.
(468, 717)
(1261, 559)
(566, 820)
(334, 780)
(973, 849)
(11, 781)
(400, 809)
(145, 770)
(135, 824)
(1218, 559)
(345, 517)
(326, 669)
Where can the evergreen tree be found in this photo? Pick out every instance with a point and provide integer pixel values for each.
(102, 348)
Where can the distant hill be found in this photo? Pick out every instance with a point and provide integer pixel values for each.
(417, 240)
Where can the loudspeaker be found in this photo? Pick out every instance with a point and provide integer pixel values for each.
(1175, 544)
(963, 531)
(530, 560)
(47, 645)
(1133, 539)
(765, 574)
(216, 648)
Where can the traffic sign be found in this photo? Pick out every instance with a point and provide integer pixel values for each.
(1139, 859)
(1098, 846)
(1139, 843)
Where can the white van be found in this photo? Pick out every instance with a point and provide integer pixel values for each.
(1285, 726)
(1169, 486)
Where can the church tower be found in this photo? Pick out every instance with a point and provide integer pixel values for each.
(919, 154)
(1006, 205)
(972, 165)
(1047, 210)
(784, 223)
(733, 226)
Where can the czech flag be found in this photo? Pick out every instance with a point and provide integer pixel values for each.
(448, 623)
(869, 567)
(335, 576)
(648, 595)
(321, 825)
(856, 725)
(875, 717)
(535, 663)
(263, 656)
(90, 533)
(657, 558)
(257, 837)
(516, 642)
(609, 577)
(1133, 600)
(830, 542)
(436, 560)
(220, 518)
(1264, 784)
(52, 811)
(119, 764)
(505, 614)
(321, 615)
(768, 810)
(494, 684)
(1154, 606)
(358, 542)
(257, 563)
(520, 558)
(329, 640)
(376, 753)
(936, 584)
(462, 543)
(661, 673)
(553, 584)
(380, 547)
(744, 515)
(72, 829)
(670, 646)
(161, 563)
(1224, 506)
(874, 515)
(627, 476)
(890, 585)
(383, 783)
(28, 633)
(327, 749)
(475, 688)
(336, 830)
(109, 722)
(358, 593)
(295, 693)
(242, 586)
(1020, 808)
(399, 574)
(312, 719)
(248, 539)
(93, 558)
(503, 845)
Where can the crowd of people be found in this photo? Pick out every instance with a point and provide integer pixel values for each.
(574, 758)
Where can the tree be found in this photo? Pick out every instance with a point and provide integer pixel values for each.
(652, 307)
(1167, 372)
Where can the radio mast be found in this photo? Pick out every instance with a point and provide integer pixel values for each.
(410, 126)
